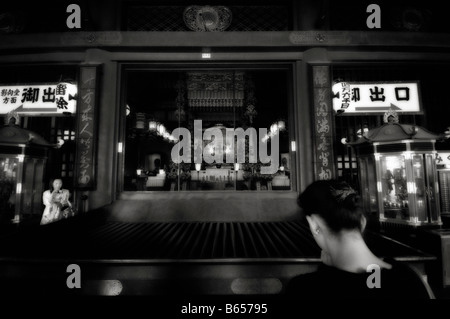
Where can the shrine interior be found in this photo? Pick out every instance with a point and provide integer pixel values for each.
(159, 148)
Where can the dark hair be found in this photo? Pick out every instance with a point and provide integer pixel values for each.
(51, 183)
(336, 202)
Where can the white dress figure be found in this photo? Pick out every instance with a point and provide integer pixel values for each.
(57, 204)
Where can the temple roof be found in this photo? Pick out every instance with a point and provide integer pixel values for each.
(390, 132)
(14, 135)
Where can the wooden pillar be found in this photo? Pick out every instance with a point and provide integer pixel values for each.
(19, 187)
(304, 159)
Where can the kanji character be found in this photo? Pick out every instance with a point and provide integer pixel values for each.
(377, 94)
(61, 89)
(402, 96)
(355, 95)
(30, 95)
(49, 95)
(61, 103)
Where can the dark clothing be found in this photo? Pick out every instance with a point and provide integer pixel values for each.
(399, 282)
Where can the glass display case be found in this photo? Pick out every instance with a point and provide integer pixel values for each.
(398, 175)
(23, 157)
(405, 192)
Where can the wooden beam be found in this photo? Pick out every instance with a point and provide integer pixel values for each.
(228, 40)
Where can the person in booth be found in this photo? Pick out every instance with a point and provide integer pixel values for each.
(56, 201)
(349, 269)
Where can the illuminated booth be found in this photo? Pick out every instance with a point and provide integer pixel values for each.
(398, 176)
(23, 157)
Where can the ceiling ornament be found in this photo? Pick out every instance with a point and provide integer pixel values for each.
(207, 18)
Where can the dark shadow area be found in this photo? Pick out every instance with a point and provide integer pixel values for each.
(215, 260)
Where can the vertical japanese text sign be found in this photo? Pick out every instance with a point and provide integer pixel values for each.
(323, 124)
(86, 129)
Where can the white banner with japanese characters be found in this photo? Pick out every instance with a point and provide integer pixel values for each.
(374, 97)
(45, 99)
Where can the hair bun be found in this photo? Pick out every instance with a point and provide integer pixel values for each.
(342, 193)
(334, 201)
(351, 200)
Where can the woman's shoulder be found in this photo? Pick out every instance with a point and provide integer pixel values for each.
(404, 281)
(310, 283)
(398, 282)
(398, 268)
(401, 270)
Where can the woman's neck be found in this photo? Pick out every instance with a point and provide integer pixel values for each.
(350, 253)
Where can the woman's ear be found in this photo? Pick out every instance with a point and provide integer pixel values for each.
(363, 223)
(313, 226)
(310, 221)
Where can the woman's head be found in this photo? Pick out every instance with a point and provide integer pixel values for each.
(56, 184)
(335, 202)
(336, 222)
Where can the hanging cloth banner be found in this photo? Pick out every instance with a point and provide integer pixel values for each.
(43, 99)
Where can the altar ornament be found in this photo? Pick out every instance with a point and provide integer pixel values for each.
(207, 18)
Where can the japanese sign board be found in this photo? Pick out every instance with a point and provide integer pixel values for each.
(46, 99)
(353, 98)
(85, 163)
(323, 124)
